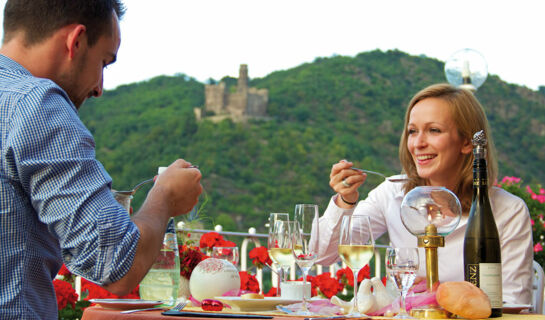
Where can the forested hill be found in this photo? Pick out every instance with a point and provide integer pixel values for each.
(333, 108)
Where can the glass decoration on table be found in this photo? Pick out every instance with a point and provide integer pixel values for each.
(276, 267)
(356, 248)
(401, 266)
(305, 243)
(230, 254)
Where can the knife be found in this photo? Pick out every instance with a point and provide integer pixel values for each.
(213, 315)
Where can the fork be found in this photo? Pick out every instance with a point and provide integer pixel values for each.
(179, 306)
(381, 175)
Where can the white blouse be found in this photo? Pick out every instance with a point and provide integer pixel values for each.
(383, 205)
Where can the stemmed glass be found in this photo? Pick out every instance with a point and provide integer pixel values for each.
(305, 246)
(402, 265)
(280, 245)
(356, 248)
(273, 218)
(226, 253)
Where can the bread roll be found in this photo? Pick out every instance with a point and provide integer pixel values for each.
(464, 299)
(252, 296)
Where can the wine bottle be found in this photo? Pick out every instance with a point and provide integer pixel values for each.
(482, 253)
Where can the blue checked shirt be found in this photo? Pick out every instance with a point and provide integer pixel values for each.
(55, 200)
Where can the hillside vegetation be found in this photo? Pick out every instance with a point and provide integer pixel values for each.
(333, 108)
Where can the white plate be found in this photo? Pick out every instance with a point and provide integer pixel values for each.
(515, 308)
(268, 303)
(126, 303)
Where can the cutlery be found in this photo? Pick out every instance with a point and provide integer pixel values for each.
(133, 191)
(145, 309)
(179, 306)
(381, 175)
(214, 315)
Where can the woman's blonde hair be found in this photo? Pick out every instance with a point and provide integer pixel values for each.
(469, 117)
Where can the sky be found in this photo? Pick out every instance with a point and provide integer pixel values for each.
(210, 38)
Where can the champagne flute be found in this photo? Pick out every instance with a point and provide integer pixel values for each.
(280, 245)
(273, 218)
(305, 243)
(356, 248)
(402, 265)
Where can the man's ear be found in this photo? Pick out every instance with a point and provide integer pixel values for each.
(75, 39)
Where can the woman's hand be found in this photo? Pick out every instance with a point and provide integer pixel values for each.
(346, 182)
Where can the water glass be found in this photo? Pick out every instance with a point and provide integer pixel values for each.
(402, 266)
(305, 242)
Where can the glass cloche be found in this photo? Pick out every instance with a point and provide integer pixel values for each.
(430, 205)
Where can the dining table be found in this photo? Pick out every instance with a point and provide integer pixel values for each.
(100, 313)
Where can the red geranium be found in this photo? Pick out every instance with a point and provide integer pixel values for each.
(64, 271)
(346, 277)
(272, 292)
(260, 257)
(65, 294)
(210, 240)
(248, 282)
(328, 286)
(189, 259)
(95, 291)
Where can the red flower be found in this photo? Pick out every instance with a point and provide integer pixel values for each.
(65, 294)
(210, 240)
(313, 285)
(95, 291)
(189, 259)
(226, 243)
(328, 286)
(248, 282)
(346, 277)
(272, 292)
(260, 257)
(64, 271)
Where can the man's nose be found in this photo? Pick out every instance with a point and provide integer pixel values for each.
(97, 91)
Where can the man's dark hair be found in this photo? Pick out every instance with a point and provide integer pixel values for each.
(39, 19)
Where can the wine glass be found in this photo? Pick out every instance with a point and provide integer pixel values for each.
(280, 245)
(226, 253)
(273, 218)
(356, 248)
(402, 265)
(305, 246)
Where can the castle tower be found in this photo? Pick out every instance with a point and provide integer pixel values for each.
(242, 84)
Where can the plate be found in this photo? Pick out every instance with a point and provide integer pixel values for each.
(268, 303)
(126, 303)
(515, 308)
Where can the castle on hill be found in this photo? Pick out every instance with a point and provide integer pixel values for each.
(243, 104)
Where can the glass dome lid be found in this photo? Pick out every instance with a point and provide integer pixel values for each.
(430, 205)
(466, 68)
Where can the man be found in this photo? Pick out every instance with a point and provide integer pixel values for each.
(55, 199)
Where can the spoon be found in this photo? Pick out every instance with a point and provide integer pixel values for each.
(133, 191)
(381, 175)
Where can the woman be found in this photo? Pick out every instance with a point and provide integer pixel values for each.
(435, 149)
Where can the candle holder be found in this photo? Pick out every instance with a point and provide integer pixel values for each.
(430, 213)
(466, 69)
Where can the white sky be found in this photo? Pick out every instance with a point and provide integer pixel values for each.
(211, 38)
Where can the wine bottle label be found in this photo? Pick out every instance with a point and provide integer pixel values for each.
(487, 276)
